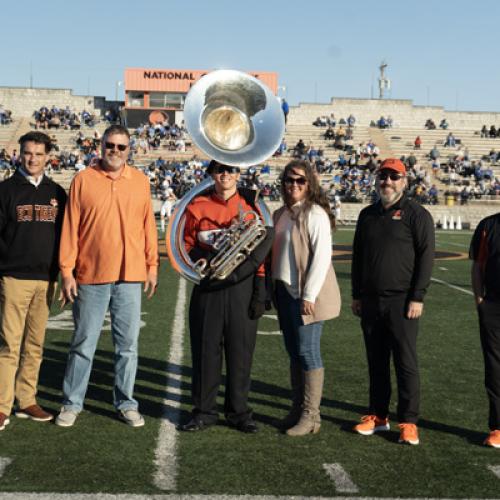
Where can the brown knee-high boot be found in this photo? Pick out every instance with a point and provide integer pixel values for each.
(310, 421)
(297, 384)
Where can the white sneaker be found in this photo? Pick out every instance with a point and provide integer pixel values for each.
(66, 417)
(131, 417)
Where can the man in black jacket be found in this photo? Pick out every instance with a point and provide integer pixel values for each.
(393, 253)
(31, 211)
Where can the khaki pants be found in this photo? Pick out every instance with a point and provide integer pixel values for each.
(24, 310)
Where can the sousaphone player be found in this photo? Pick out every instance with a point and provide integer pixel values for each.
(238, 122)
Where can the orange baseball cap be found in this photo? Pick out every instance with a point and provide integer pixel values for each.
(393, 164)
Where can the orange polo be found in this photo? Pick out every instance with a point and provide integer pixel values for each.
(109, 231)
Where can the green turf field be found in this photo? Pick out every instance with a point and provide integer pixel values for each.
(101, 454)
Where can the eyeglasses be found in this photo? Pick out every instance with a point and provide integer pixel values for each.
(112, 145)
(383, 176)
(301, 181)
(219, 169)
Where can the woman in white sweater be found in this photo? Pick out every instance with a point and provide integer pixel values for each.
(306, 289)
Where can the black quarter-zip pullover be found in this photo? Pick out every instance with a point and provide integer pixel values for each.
(393, 251)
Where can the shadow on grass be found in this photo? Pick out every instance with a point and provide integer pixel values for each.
(157, 382)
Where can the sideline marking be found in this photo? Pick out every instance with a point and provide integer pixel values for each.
(272, 332)
(495, 469)
(4, 463)
(342, 480)
(449, 285)
(165, 461)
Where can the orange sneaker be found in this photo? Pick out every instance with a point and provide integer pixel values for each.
(493, 439)
(371, 424)
(408, 434)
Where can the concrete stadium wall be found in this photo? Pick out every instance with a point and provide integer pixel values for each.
(22, 101)
(403, 112)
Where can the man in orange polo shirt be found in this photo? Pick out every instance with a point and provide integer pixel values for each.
(108, 250)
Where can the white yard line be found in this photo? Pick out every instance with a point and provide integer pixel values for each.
(165, 461)
(449, 285)
(4, 463)
(342, 480)
(495, 469)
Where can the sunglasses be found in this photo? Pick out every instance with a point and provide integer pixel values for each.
(301, 181)
(383, 176)
(112, 145)
(220, 169)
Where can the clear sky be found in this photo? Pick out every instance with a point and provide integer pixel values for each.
(439, 52)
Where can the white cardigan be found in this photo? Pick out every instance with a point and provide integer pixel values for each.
(283, 258)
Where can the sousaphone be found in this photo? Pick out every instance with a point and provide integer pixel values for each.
(236, 120)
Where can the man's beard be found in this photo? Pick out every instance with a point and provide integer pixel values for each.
(390, 197)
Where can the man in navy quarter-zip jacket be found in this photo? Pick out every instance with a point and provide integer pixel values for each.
(31, 212)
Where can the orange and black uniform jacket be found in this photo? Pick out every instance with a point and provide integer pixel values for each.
(207, 214)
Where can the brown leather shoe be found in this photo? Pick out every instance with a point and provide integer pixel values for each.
(4, 420)
(34, 412)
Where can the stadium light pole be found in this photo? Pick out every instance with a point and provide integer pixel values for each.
(118, 84)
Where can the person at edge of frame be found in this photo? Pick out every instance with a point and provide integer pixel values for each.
(485, 276)
(31, 214)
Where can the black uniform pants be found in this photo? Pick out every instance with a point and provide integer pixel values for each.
(489, 328)
(386, 330)
(219, 323)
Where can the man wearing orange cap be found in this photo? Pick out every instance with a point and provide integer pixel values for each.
(393, 253)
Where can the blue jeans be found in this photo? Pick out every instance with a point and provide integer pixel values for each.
(302, 342)
(89, 309)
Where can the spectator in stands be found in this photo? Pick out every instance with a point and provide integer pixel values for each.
(430, 125)
(433, 195)
(285, 108)
(321, 121)
(484, 132)
(4, 159)
(300, 149)
(382, 122)
(434, 153)
(450, 141)
(5, 116)
(329, 133)
(493, 132)
(351, 120)
(331, 121)
(444, 124)
(418, 142)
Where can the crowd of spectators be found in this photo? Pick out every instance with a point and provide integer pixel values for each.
(58, 118)
(149, 137)
(491, 133)
(431, 125)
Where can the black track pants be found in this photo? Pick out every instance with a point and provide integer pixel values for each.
(386, 330)
(219, 323)
(489, 328)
